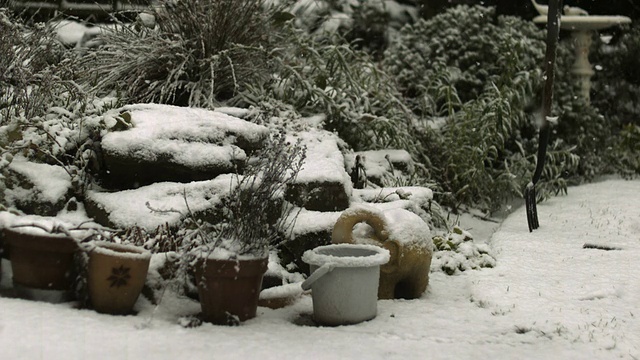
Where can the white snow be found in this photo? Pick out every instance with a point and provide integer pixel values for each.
(161, 203)
(51, 182)
(324, 162)
(407, 228)
(346, 255)
(547, 298)
(188, 136)
(119, 250)
(399, 224)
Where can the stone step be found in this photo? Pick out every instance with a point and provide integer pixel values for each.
(158, 204)
(169, 143)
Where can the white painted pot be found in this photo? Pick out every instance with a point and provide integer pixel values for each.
(344, 282)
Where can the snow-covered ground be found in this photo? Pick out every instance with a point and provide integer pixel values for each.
(547, 298)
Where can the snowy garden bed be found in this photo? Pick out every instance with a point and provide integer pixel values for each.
(548, 297)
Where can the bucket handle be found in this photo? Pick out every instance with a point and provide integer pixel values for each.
(320, 272)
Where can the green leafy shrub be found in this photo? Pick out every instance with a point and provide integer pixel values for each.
(616, 89)
(474, 78)
(199, 53)
(327, 76)
(366, 24)
(464, 47)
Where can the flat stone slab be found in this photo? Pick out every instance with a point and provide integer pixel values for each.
(170, 143)
(158, 204)
(323, 183)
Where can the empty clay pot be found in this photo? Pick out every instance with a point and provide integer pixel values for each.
(42, 263)
(229, 289)
(116, 275)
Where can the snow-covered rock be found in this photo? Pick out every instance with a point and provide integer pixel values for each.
(323, 183)
(158, 204)
(36, 188)
(383, 167)
(170, 143)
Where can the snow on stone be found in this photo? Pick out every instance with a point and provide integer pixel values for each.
(324, 162)
(70, 32)
(188, 136)
(376, 162)
(287, 290)
(276, 269)
(240, 113)
(313, 222)
(38, 225)
(51, 182)
(166, 202)
(417, 194)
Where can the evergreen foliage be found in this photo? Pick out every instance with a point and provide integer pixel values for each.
(473, 78)
(616, 91)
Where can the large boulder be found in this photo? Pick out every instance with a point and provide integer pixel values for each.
(170, 143)
(35, 188)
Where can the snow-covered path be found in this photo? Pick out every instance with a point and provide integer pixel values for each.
(547, 298)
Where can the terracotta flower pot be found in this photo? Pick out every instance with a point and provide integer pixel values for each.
(42, 263)
(115, 276)
(229, 289)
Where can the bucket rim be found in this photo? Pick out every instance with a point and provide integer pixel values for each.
(313, 257)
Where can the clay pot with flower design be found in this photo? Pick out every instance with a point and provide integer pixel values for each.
(115, 277)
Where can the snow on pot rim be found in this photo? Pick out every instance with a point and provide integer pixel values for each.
(224, 253)
(41, 226)
(119, 250)
(372, 255)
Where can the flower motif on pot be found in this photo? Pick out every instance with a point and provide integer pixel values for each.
(119, 276)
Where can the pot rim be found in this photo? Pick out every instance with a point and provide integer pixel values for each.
(35, 225)
(43, 241)
(119, 250)
(33, 231)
